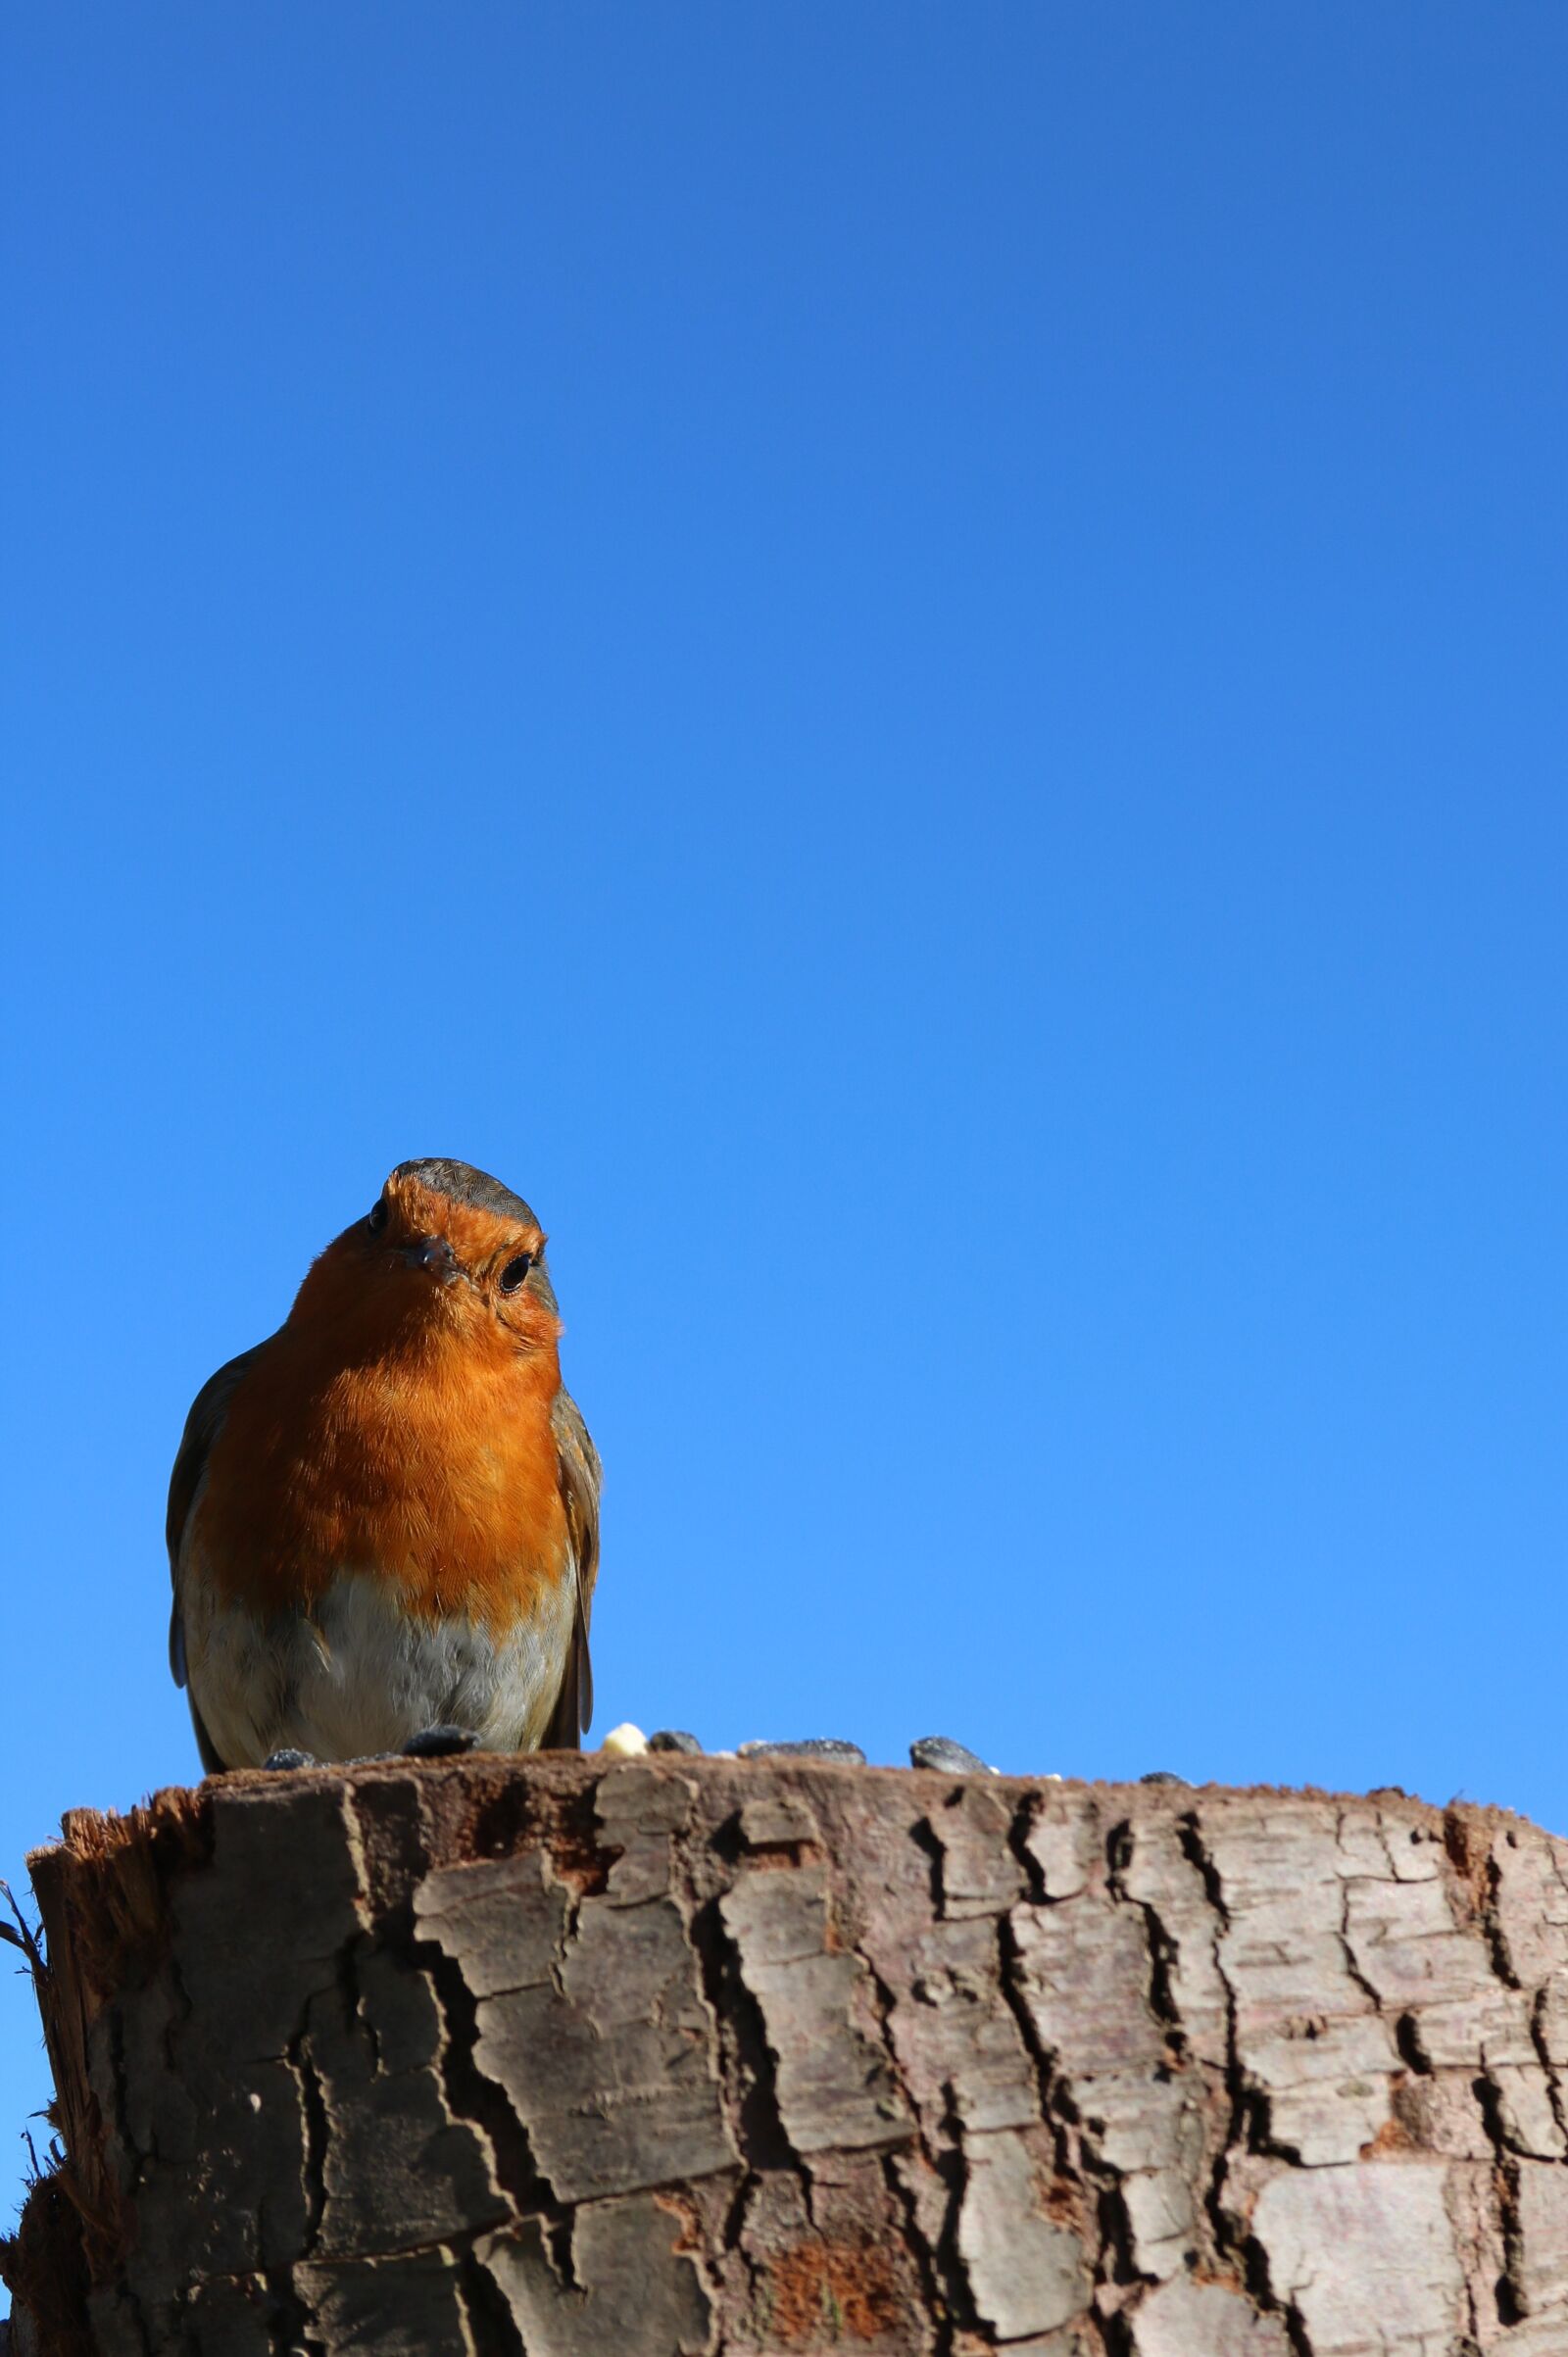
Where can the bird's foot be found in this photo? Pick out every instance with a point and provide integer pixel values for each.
(954, 1759)
(288, 1758)
(440, 1743)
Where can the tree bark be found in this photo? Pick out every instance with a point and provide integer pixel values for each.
(555, 2057)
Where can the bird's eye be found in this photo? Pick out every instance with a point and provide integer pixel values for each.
(376, 1222)
(513, 1275)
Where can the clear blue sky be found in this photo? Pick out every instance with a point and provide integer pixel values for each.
(909, 663)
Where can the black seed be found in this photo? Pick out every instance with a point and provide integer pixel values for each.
(941, 1751)
(810, 1747)
(440, 1743)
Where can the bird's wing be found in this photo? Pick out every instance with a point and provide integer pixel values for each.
(579, 1473)
(202, 1427)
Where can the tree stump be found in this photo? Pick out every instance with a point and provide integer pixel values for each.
(560, 2057)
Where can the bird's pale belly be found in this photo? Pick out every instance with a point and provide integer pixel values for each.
(360, 1676)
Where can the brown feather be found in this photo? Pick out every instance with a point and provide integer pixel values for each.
(580, 1475)
(202, 1427)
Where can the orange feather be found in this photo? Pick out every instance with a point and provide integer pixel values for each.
(397, 1425)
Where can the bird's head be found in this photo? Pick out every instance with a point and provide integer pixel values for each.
(444, 1249)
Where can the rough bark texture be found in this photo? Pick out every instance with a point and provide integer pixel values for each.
(558, 2058)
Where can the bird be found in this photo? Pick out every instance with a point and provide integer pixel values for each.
(383, 1521)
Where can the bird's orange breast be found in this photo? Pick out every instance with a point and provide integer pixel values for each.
(430, 1459)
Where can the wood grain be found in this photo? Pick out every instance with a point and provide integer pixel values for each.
(549, 2057)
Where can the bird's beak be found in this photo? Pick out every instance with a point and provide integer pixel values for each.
(434, 1254)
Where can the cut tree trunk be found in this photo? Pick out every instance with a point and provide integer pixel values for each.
(561, 2057)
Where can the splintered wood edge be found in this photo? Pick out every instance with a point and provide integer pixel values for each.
(178, 1817)
(103, 1886)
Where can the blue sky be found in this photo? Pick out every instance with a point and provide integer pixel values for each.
(909, 663)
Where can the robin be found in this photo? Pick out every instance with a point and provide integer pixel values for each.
(383, 1522)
